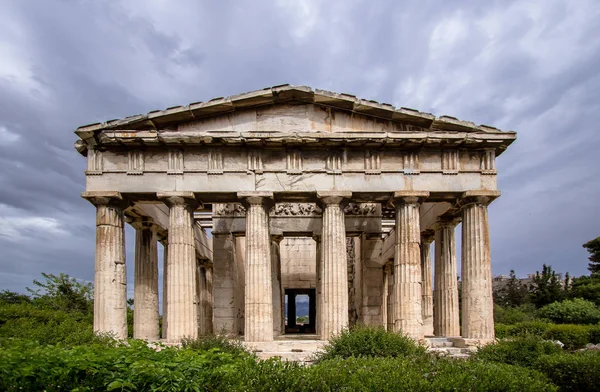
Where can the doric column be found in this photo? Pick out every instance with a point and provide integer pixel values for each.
(204, 300)
(182, 314)
(278, 310)
(385, 300)
(445, 307)
(319, 292)
(258, 315)
(426, 286)
(477, 302)
(407, 264)
(145, 283)
(164, 240)
(334, 279)
(110, 274)
(225, 291)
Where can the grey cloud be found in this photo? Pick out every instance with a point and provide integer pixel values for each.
(85, 61)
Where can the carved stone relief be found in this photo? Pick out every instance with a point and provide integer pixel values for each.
(360, 209)
(295, 209)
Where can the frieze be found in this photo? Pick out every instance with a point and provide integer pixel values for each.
(296, 209)
(360, 209)
(229, 209)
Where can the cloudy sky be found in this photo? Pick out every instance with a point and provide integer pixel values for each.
(528, 66)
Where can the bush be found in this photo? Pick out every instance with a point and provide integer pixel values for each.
(220, 342)
(362, 341)
(573, 372)
(530, 328)
(576, 311)
(503, 331)
(514, 315)
(521, 351)
(392, 374)
(46, 326)
(572, 336)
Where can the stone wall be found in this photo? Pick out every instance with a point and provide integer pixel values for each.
(299, 263)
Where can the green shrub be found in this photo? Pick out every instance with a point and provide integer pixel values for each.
(393, 374)
(573, 372)
(220, 342)
(576, 311)
(530, 328)
(503, 331)
(362, 341)
(521, 351)
(572, 336)
(511, 316)
(46, 326)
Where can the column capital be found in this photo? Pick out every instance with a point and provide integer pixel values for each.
(175, 198)
(333, 197)
(427, 237)
(276, 238)
(317, 237)
(140, 223)
(484, 197)
(106, 198)
(256, 198)
(409, 197)
(446, 221)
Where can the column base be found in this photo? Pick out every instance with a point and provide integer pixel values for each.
(461, 342)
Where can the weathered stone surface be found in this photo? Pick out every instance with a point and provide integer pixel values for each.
(477, 301)
(145, 294)
(426, 286)
(110, 274)
(445, 307)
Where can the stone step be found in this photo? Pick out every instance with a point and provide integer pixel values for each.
(440, 342)
(286, 346)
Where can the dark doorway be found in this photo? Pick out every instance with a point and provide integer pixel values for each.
(300, 311)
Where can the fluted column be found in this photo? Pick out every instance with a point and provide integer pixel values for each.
(385, 296)
(110, 274)
(477, 301)
(204, 300)
(334, 286)
(165, 242)
(426, 286)
(258, 315)
(276, 284)
(408, 318)
(319, 292)
(182, 314)
(445, 307)
(145, 284)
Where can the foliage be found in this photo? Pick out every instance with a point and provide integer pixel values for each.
(521, 351)
(586, 287)
(46, 326)
(573, 372)
(362, 341)
(572, 336)
(513, 315)
(10, 297)
(63, 292)
(576, 311)
(135, 366)
(593, 248)
(514, 293)
(220, 342)
(546, 287)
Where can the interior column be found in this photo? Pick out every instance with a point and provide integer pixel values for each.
(278, 310)
(110, 274)
(445, 317)
(182, 315)
(258, 315)
(408, 318)
(334, 286)
(145, 286)
(426, 286)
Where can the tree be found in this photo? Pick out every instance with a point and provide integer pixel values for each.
(515, 292)
(63, 292)
(593, 248)
(546, 287)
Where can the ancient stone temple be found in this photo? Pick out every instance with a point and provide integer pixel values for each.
(284, 193)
